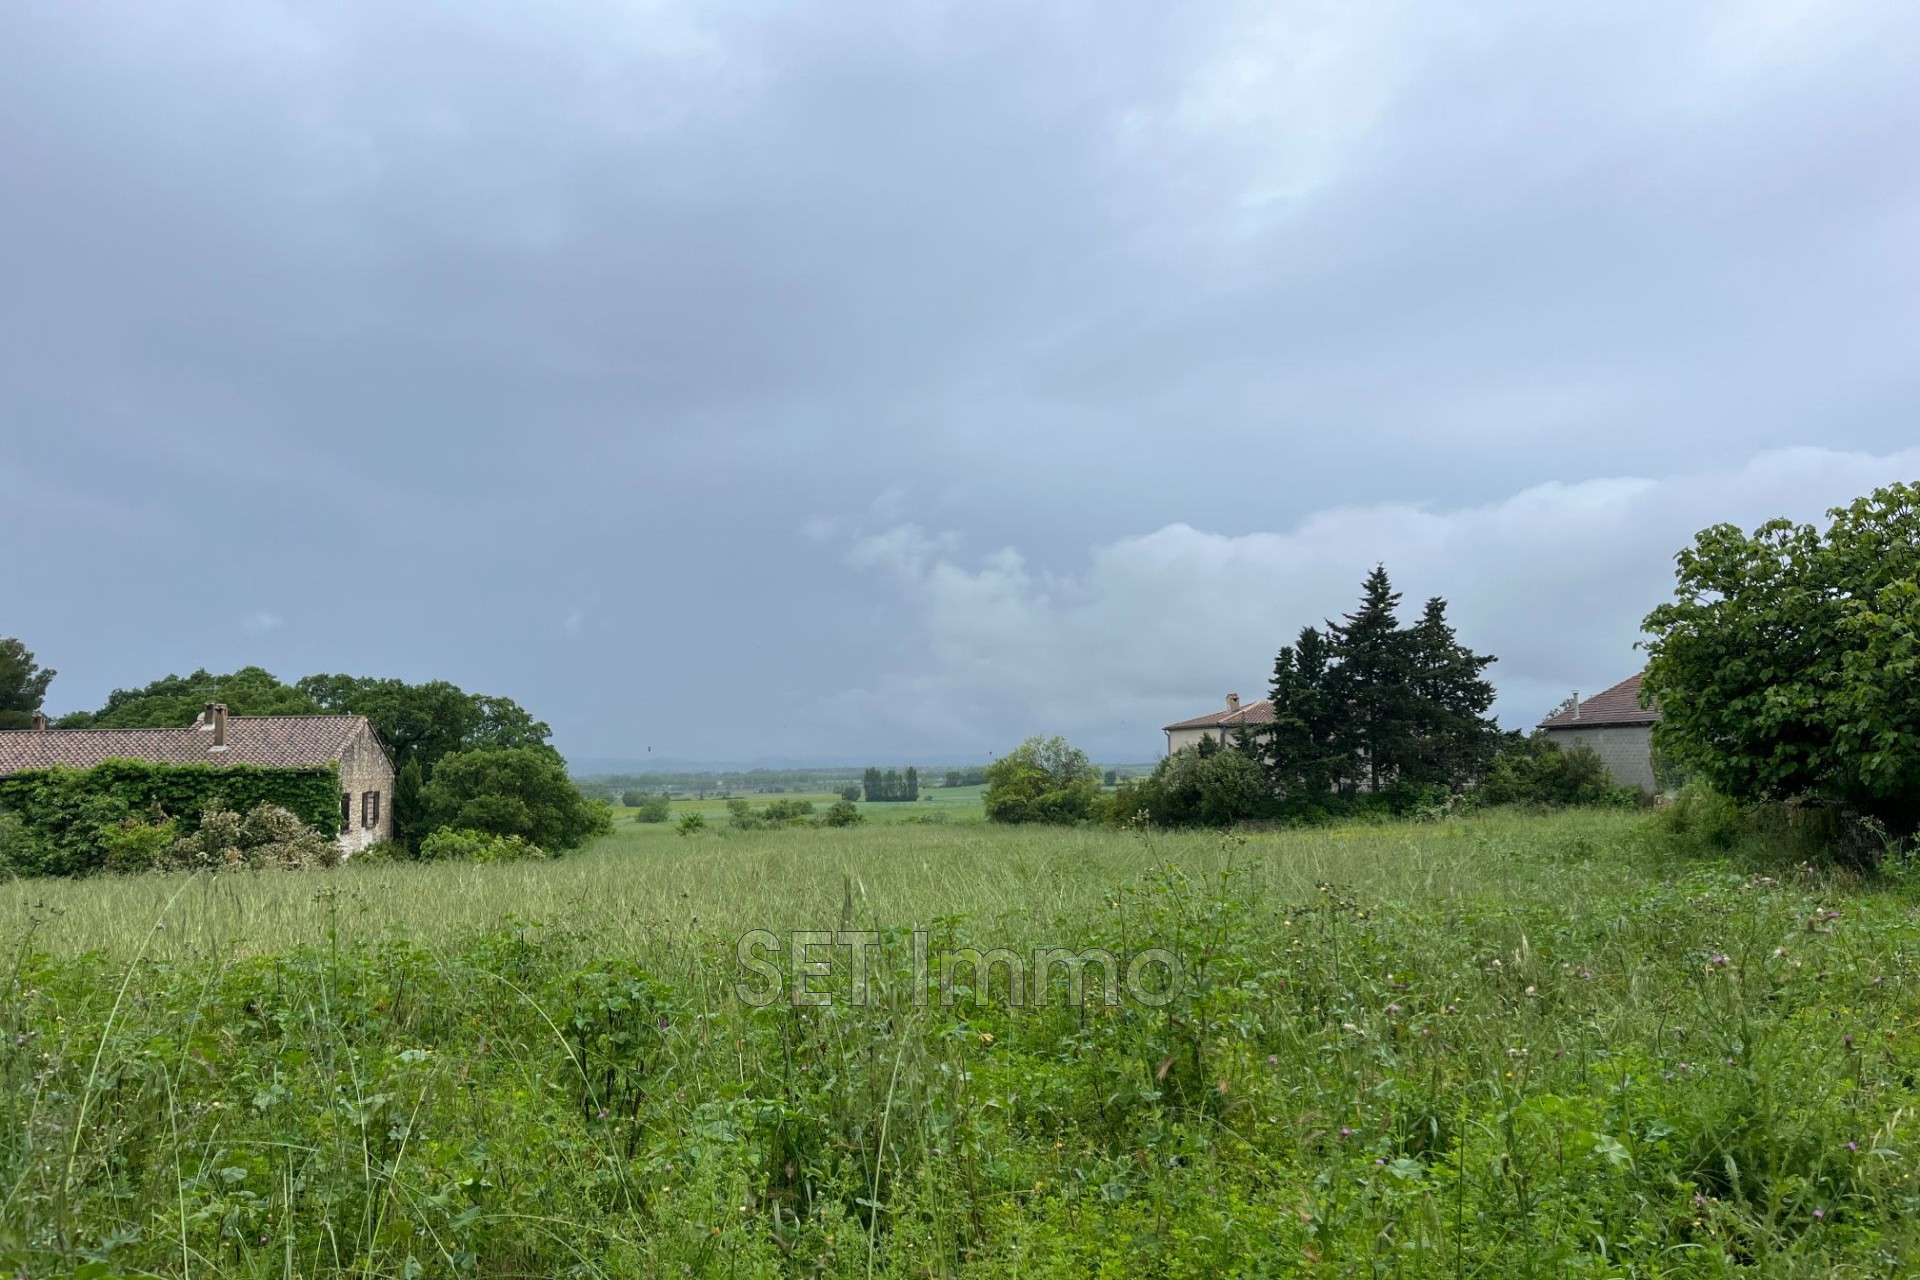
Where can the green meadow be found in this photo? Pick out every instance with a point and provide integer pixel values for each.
(1500, 1045)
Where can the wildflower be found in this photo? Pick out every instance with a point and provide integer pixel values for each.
(1819, 1215)
(1345, 1132)
(986, 1038)
(1847, 1040)
(1853, 1146)
(1529, 993)
(1719, 961)
(1273, 1059)
(1393, 1009)
(664, 1024)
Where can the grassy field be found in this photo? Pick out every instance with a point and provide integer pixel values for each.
(1495, 1046)
(936, 804)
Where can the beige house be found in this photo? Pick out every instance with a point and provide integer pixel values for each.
(1618, 729)
(346, 743)
(1218, 726)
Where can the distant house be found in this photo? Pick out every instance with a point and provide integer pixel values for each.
(1218, 725)
(347, 743)
(1617, 727)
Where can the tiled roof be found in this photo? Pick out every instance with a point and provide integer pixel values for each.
(1618, 705)
(1260, 712)
(286, 742)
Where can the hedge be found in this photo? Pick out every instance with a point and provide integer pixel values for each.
(60, 810)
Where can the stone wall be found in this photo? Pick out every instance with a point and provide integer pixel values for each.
(364, 768)
(1626, 750)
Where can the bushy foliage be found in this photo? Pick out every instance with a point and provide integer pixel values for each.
(1787, 663)
(267, 836)
(652, 809)
(843, 813)
(23, 684)
(1537, 770)
(513, 791)
(450, 844)
(1042, 780)
(1194, 787)
(74, 821)
(742, 816)
(173, 701)
(691, 822)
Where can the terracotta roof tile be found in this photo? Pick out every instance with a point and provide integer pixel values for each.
(287, 742)
(1260, 712)
(1618, 705)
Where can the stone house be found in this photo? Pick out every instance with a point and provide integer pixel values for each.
(1618, 729)
(1218, 725)
(346, 743)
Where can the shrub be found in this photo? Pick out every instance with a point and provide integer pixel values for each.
(690, 822)
(1042, 780)
(1537, 770)
(842, 813)
(1701, 819)
(652, 809)
(451, 844)
(1193, 788)
(384, 851)
(133, 845)
(266, 836)
(788, 812)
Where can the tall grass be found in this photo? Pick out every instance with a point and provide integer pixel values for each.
(1499, 1046)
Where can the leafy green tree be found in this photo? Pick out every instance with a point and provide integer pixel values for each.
(1042, 780)
(174, 701)
(422, 724)
(23, 684)
(912, 785)
(427, 721)
(850, 794)
(874, 786)
(512, 791)
(1787, 665)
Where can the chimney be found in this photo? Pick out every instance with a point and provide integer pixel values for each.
(219, 725)
(1233, 702)
(205, 722)
(1576, 704)
(40, 721)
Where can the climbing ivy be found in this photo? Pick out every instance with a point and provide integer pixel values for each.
(59, 814)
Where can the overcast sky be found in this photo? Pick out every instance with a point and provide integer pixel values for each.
(905, 378)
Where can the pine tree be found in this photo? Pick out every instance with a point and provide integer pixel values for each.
(1303, 760)
(1376, 727)
(1457, 739)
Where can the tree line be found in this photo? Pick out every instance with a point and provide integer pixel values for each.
(1370, 714)
(879, 788)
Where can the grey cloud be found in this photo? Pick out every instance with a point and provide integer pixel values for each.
(458, 317)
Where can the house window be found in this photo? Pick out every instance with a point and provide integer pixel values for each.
(346, 810)
(370, 809)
